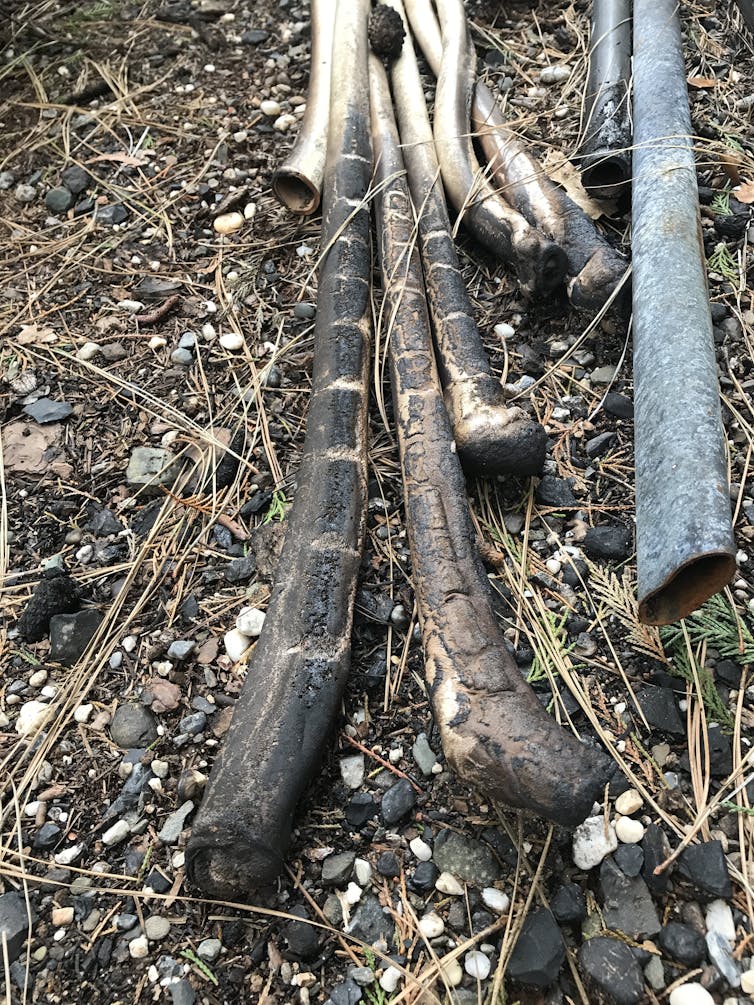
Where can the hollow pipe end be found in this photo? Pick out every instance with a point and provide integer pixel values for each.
(543, 271)
(300, 193)
(227, 868)
(687, 588)
(597, 281)
(606, 174)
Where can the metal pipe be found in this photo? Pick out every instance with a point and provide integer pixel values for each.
(747, 12)
(491, 438)
(297, 183)
(606, 147)
(685, 548)
(495, 733)
(539, 263)
(294, 684)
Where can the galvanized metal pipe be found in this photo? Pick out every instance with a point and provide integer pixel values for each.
(606, 148)
(685, 548)
(747, 12)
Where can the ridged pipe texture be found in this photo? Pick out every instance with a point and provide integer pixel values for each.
(297, 183)
(491, 438)
(539, 263)
(284, 714)
(606, 147)
(684, 535)
(495, 733)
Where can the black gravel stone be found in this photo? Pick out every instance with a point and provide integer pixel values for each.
(683, 943)
(46, 410)
(600, 444)
(424, 877)
(705, 867)
(627, 903)
(613, 543)
(719, 312)
(729, 673)
(630, 859)
(51, 597)
(158, 881)
(104, 522)
(656, 848)
(618, 405)
(397, 802)
(110, 215)
(47, 836)
(360, 809)
(59, 199)
(557, 492)
(388, 865)
(70, 634)
(612, 968)
(133, 726)
(370, 922)
(337, 869)
(569, 904)
(573, 570)
(14, 922)
(76, 179)
(539, 951)
(302, 939)
(241, 569)
(182, 993)
(660, 710)
(720, 752)
(254, 36)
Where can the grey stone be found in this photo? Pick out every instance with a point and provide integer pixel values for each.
(171, 829)
(705, 867)
(241, 569)
(302, 939)
(627, 903)
(599, 444)
(630, 858)
(682, 943)
(46, 410)
(59, 199)
(655, 974)
(347, 992)
(618, 405)
(151, 465)
(613, 968)
(181, 648)
(371, 924)
(104, 522)
(397, 802)
(6, 180)
(424, 756)
(110, 215)
(539, 951)
(183, 357)
(337, 869)
(193, 724)
(15, 922)
(363, 976)
(602, 374)
(182, 993)
(156, 928)
(70, 634)
(25, 193)
(133, 726)
(187, 340)
(76, 179)
(209, 949)
(468, 859)
(305, 312)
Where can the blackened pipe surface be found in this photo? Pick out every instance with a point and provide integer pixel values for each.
(747, 12)
(606, 148)
(293, 687)
(491, 438)
(684, 535)
(494, 731)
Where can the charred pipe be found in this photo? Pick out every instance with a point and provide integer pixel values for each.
(595, 268)
(297, 183)
(540, 264)
(491, 438)
(747, 12)
(299, 666)
(495, 733)
(606, 147)
(684, 535)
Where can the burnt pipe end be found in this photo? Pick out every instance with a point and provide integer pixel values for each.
(489, 443)
(231, 870)
(598, 280)
(299, 193)
(607, 175)
(549, 272)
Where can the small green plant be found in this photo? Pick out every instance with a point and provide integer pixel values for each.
(720, 205)
(723, 263)
(375, 995)
(277, 508)
(200, 965)
(542, 665)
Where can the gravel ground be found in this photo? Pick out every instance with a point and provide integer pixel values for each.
(136, 341)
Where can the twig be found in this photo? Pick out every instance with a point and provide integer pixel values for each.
(152, 317)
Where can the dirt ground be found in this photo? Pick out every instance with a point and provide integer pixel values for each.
(127, 321)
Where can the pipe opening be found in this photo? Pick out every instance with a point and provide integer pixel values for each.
(295, 191)
(607, 178)
(553, 270)
(688, 589)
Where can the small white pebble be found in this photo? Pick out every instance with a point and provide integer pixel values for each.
(236, 644)
(250, 210)
(115, 834)
(496, 900)
(554, 74)
(129, 643)
(553, 566)
(353, 893)
(83, 713)
(210, 307)
(747, 982)
(284, 122)
(138, 947)
(38, 678)
(250, 621)
(88, 351)
(452, 972)
(389, 979)
(208, 331)
(504, 331)
(31, 808)
(628, 802)
(270, 108)
(691, 994)
(477, 965)
(447, 883)
(395, 755)
(232, 341)
(132, 306)
(228, 223)
(628, 830)
(31, 717)
(157, 342)
(363, 871)
(431, 925)
(420, 849)
(61, 916)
